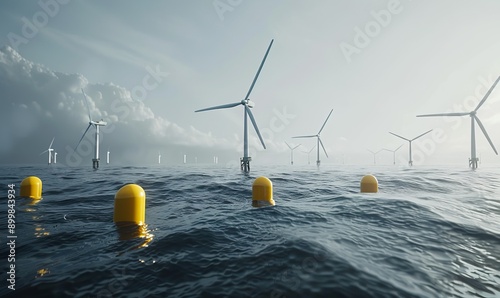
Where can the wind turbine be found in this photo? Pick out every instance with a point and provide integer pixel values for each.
(55, 157)
(107, 157)
(410, 161)
(49, 150)
(374, 155)
(473, 118)
(319, 139)
(95, 160)
(394, 153)
(309, 153)
(291, 150)
(159, 157)
(248, 104)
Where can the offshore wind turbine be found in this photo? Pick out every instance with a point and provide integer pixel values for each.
(394, 153)
(410, 161)
(247, 104)
(473, 119)
(374, 155)
(49, 150)
(159, 157)
(291, 150)
(96, 124)
(107, 156)
(309, 153)
(55, 157)
(318, 162)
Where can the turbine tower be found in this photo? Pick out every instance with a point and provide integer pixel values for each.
(49, 150)
(291, 150)
(308, 154)
(374, 155)
(394, 153)
(318, 162)
(159, 157)
(55, 157)
(107, 157)
(410, 161)
(473, 119)
(97, 124)
(247, 104)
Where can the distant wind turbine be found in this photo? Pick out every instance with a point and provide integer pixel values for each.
(185, 158)
(159, 157)
(374, 155)
(291, 150)
(410, 161)
(473, 118)
(394, 153)
(107, 157)
(308, 154)
(318, 162)
(49, 150)
(95, 160)
(247, 103)
(55, 157)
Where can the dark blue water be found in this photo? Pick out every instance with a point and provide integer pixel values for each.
(429, 232)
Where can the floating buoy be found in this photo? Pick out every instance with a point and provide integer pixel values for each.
(130, 205)
(262, 192)
(369, 184)
(31, 187)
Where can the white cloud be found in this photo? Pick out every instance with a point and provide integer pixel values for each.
(41, 103)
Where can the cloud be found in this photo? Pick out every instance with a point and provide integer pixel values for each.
(39, 104)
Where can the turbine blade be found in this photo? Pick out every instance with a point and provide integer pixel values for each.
(295, 147)
(312, 149)
(44, 152)
(444, 114)
(50, 146)
(249, 112)
(304, 137)
(421, 135)
(485, 134)
(325, 121)
(322, 146)
(399, 136)
(398, 147)
(371, 151)
(226, 106)
(288, 145)
(486, 95)
(258, 71)
(87, 104)
(83, 136)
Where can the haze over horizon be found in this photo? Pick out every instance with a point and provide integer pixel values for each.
(146, 67)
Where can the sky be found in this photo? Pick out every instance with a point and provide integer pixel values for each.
(146, 67)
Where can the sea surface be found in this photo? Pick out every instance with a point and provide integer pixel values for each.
(428, 232)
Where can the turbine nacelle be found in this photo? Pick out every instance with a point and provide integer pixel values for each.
(250, 103)
(100, 122)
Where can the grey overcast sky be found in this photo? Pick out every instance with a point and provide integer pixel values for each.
(147, 66)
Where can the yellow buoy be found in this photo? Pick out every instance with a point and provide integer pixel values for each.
(262, 192)
(130, 205)
(31, 187)
(369, 184)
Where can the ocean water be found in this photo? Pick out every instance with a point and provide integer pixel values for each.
(428, 232)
